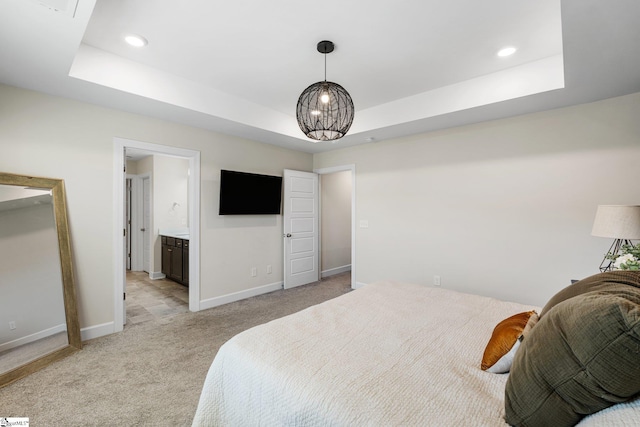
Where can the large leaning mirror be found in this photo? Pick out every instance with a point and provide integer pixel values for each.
(38, 313)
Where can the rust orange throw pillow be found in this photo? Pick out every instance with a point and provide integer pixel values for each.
(498, 355)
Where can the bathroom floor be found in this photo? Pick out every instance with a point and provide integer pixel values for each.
(153, 299)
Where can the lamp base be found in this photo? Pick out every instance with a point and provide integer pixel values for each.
(607, 264)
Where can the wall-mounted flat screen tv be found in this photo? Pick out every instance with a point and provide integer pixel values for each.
(244, 193)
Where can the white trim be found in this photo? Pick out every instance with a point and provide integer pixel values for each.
(97, 331)
(333, 271)
(237, 296)
(155, 275)
(352, 168)
(33, 337)
(359, 285)
(119, 146)
(119, 267)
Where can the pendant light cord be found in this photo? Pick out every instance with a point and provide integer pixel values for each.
(325, 67)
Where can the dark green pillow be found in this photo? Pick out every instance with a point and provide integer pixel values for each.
(597, 282)
(581, 357)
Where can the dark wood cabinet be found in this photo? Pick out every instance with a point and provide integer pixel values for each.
(175, 259)
(166, 257)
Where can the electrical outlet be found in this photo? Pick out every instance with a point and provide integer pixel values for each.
(436, 280)
(269, 270)
(12, 325)
(254, 272)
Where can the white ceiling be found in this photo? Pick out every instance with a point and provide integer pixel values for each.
(238, 67)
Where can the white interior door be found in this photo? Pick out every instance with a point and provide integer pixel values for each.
(300, 228)
(146, 224)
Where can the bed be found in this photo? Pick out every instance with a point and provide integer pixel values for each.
(387, 354)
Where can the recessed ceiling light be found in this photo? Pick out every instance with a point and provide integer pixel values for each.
(507, 51)
(135, 40)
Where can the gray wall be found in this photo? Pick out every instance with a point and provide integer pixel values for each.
(336, 221)
(54, 137)
(502, 208)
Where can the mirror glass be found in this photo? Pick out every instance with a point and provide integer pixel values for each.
(38, 319)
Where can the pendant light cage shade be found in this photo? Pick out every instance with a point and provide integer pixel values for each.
(325, 111)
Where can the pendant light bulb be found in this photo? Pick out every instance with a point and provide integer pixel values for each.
(325, 98)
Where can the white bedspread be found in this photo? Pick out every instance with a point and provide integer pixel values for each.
(388, 354)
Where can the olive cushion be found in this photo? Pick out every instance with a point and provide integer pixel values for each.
(582, 356)
(597, 282)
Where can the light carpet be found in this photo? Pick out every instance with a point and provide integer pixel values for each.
(151, 373)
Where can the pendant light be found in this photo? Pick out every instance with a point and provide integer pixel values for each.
(325, 109)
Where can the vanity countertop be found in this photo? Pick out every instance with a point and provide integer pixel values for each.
(178, 234)
(184, 236)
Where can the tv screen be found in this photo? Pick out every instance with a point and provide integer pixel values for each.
(244, 193)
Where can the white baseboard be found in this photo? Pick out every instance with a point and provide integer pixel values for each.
(237, 296)
(155, 275)
(334, 271)
(33, 337)
(358, 285)
(96, 331)
(108, 328)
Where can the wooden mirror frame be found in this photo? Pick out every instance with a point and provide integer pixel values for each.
(68, 284)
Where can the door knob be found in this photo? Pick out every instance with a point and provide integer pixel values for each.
(287, 235)
(143, 229)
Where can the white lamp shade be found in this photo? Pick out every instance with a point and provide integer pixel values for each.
(617, 222)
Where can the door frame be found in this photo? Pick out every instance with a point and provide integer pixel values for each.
(119, 149)
(130, 218)
(334, 169)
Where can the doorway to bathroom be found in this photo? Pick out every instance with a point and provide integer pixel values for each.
(185, 211)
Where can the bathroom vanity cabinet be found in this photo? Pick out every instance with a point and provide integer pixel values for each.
(175, 259)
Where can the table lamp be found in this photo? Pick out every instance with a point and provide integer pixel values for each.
(619, 222)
